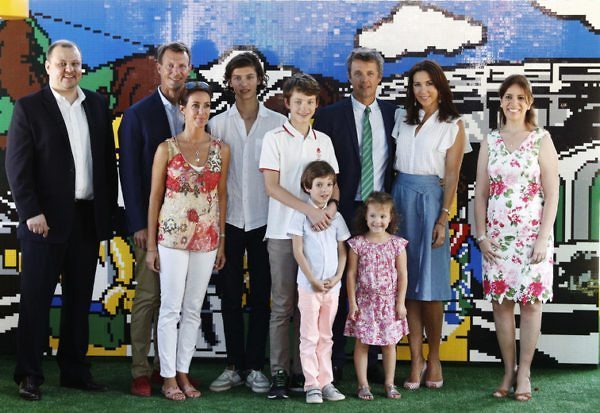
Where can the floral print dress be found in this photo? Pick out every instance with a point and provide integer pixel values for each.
(376, 291)
(514, 214)
(189, 216)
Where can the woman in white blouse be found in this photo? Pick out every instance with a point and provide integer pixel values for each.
(430, 143)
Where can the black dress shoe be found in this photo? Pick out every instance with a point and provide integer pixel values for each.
(29, 390)
(87, 385)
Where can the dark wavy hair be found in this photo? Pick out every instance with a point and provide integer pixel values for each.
(380, 198)
(524, 84)
(314, 170)
(246, 59)
(446, 109)
(303, 83)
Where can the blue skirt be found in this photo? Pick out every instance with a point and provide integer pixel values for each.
(418, 199)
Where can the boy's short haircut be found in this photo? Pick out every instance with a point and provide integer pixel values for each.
(303, 83)
(246, 59)
(177, 47)
(314, 170)
(366, 55)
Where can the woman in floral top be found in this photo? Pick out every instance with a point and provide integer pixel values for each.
(186, 221)
(516, 199)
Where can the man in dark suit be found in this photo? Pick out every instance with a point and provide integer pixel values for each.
(60, 164)
(349, 123)
(144, 126)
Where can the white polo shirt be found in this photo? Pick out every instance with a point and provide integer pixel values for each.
(320, 247)
(247, 200)
(287, 151)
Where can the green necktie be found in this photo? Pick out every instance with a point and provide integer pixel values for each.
(366, 157)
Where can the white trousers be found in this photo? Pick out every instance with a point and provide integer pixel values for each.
(184, 277)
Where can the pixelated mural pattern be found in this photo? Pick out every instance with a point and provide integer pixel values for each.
(479, 43)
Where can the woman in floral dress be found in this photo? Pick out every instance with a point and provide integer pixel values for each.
(516, 199)
(186, 222)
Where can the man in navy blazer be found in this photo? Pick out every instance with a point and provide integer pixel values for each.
(342, 121)
(60, 164)
(144, 126)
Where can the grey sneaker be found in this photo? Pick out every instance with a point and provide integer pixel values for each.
(332, 394)
(227, 380)
(314, 396)
(258, 382)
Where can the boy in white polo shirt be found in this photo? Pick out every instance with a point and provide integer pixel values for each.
(285, 153)
(243, 127)
(321, 257)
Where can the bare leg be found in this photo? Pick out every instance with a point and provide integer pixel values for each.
(433, 318)
(389, 363)
(415, 339)
(360, 362)
(531, 321)
(504, 319)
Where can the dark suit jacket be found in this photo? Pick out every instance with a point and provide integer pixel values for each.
(143, 127)
(337, 121)
(41, 170)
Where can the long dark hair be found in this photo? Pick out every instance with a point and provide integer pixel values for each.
(524, 84)
(446, 109)
(380, 198)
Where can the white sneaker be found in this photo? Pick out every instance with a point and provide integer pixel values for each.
(314, 396)
(258, 382)
(332, 394)
(227, 380)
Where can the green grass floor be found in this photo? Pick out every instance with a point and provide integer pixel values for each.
(467, 388)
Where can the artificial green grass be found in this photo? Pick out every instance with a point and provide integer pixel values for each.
(467, 388)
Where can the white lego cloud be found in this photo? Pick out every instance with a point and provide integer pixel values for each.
(587, 10)
(411, 31)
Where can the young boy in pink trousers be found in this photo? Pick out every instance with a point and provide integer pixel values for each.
(321, 257)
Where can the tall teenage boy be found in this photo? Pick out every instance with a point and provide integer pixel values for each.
(243, 127)
(285, 153)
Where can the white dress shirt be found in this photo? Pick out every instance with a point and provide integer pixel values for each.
(425, 153)
(174, 115)
(319, 247)
(380, 147)
(247, 200)
(79, 140)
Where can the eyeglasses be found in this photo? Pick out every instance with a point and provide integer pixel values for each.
(197, 85)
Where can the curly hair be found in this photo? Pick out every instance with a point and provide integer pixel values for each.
(376, 198)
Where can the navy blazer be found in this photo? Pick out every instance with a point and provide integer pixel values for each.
(41, 170)
(337, 121)
(143, 127)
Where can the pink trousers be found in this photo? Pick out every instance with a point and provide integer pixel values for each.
(317, 312)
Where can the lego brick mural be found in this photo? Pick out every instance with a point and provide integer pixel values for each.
(478, 43)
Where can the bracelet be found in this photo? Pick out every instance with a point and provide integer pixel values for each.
(222, 235)
(481, 238)
(151, 250)
(446, 210)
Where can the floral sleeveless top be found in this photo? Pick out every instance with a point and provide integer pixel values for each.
(514, 215)
(189, 216)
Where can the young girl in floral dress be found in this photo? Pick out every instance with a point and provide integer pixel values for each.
(186, 223)
(376, 283)
(516, 199)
